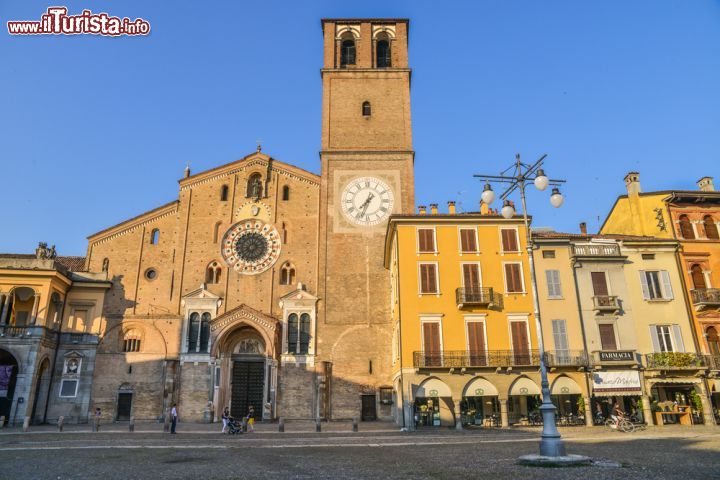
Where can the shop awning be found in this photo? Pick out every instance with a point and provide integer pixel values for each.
(433, 387)
(524, 386)
(479, 387)
(616, 383)
(655, 381)
(565, 386)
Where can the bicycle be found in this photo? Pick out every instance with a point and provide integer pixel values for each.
(623, 424)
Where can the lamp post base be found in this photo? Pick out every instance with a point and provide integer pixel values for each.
(560, 461)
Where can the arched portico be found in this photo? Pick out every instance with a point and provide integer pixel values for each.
(244, 345)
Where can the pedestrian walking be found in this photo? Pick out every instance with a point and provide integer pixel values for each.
(98, 414)
(173, 416)
(225, 418)
(251, 418)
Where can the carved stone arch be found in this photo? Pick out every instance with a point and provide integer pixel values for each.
(222, 327)
(344, 30)
(122, 327)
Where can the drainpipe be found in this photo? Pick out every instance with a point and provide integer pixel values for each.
(57, 349)
(588, 408)
(399, 302)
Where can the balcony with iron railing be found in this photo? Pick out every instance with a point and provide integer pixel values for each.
(675, 360)
(479, 359)
(705, 297)
(606, 303)
(478, 297)
(597, 250)
(567, 358)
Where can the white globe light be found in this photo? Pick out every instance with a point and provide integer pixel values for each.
(556, 199)
(541, 180)
(487, 196)
(508, 211)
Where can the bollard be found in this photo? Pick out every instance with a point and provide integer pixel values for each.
(355, 424)
(96, 424)
(317, 426)
(26, 424)
(244, 424)
(281, 424)
(131, 425)
(2, 421)
(166, 423)
(61, 423)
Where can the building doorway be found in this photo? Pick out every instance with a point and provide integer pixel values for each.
(124, 406)
(248, 382)
(8, 377)
(42, 385)
(368, 412)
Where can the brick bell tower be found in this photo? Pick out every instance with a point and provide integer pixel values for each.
(367, 174)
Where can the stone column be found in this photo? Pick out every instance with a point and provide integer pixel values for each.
(647, 412)
(708, 417)
(5, 308)
(504, 412)
(458, 416)
(588, 412)
(36, 304)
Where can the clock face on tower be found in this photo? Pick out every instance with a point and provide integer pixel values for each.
(251, 246)
(367, 201)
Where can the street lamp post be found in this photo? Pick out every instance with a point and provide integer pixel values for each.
(551, 445)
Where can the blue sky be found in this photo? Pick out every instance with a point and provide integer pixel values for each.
(95, 130)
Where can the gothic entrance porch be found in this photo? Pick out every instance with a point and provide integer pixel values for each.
(245, 365)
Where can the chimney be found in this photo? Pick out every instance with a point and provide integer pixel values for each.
(451, 207)
(632, 183)
(422, 210)
(484, 208)
(583, 228)
(433, 208)
(706, 184)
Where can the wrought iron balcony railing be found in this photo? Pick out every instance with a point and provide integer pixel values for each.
(665, 360)
(465, 359)
(567, 358)
(596, 250)
(706, 296)
(478, 297)
(606, 303)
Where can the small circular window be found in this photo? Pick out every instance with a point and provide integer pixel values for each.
(151, 274)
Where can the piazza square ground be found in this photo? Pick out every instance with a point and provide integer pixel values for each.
(377, 451)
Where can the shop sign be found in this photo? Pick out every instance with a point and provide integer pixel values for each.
(617, 356)
(611, 382)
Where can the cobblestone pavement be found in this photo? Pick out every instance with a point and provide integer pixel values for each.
(376, 452)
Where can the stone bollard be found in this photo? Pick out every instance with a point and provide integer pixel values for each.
(281, 424)
(61, 423)
(166, 423)
(131, 425)
(244, 424)
(2, 421)
(96, 424)
(318, 428)
(26, 424)
(355, 424)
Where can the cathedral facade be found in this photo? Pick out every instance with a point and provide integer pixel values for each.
(263, 284)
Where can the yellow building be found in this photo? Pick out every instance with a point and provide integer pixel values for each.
(465, 343)
(693, 218)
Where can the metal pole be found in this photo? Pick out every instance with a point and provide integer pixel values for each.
(551, 445)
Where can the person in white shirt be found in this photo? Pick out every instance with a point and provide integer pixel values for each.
(173, 414)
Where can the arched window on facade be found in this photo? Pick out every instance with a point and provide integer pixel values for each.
(298, 334)
(284, 233)
(686, 229)
(383, 58)
(193, 331)
(204, 332)
(713, 340)
(224, 191)
(213, 273)
(286, 193)
(304, 343)
(711, 230)
(131, 341)
(106, 264)
(155, 236)
(698, 278)
(216, 232)
(254, 186)
(366, 109)
(347, 49)
(287, 274)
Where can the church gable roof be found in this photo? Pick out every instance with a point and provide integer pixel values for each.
(254, 159)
